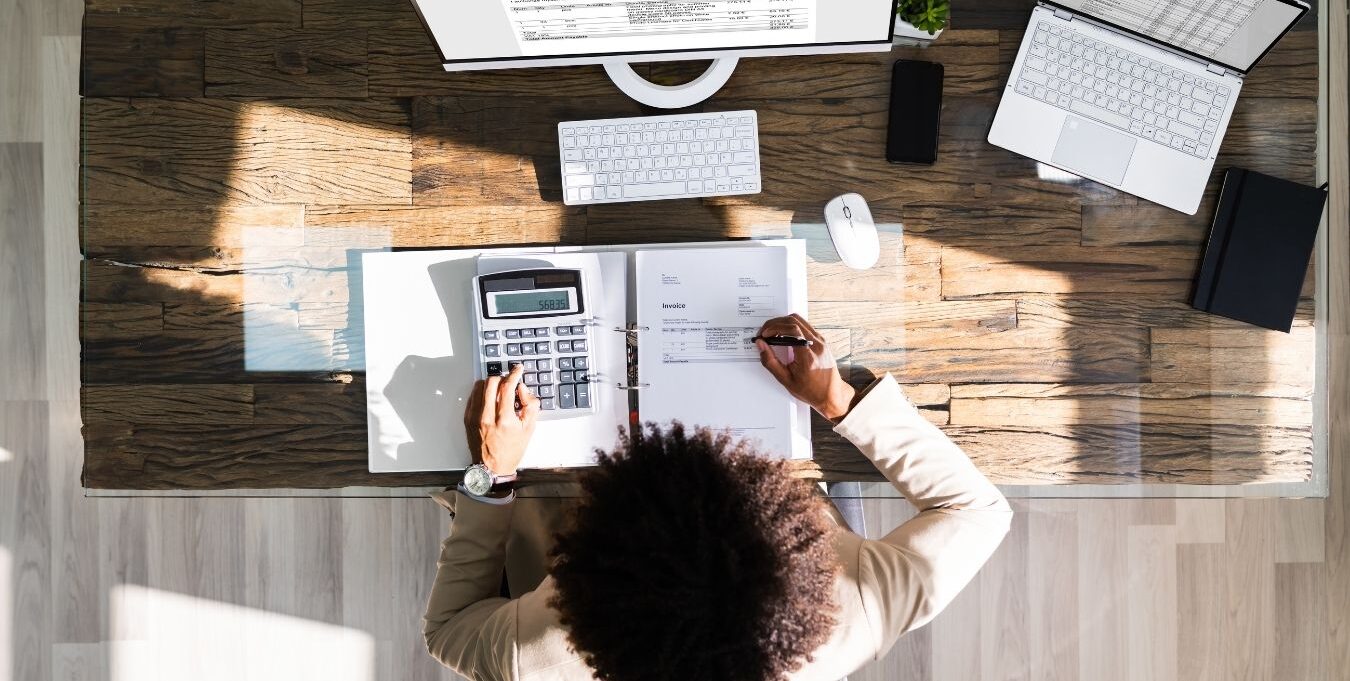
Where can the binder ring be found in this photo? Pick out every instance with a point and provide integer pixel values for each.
(640, 386)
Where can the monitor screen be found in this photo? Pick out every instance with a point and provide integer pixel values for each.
(1234, 33)
(468, 31)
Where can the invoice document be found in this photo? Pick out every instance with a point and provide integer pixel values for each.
(697, 313)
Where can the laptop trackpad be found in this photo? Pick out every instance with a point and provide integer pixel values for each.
(1093, 150)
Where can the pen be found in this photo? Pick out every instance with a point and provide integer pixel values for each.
(791, 341)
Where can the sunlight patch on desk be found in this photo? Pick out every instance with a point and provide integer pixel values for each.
(165, 635)
(6, 455)
(1053, 174)
(302, 305)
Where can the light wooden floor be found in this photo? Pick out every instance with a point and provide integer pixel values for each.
(166, 588)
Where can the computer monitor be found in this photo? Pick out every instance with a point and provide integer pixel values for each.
(502, 34)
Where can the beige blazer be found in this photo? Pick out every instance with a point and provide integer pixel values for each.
(887, 587)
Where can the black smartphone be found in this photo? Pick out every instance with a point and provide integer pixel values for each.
(916, 112)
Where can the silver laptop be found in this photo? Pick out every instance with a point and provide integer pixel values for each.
(1135, 94)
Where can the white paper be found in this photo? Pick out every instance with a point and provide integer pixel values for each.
(421, 356)
(699, 309)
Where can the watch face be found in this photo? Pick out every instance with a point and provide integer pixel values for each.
(478, 480)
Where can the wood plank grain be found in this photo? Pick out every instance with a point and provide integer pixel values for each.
(1022, 355)
(1124, 404)
(100, 320)
(1013, 272)
(1233, 357)
(205, 224)
(167, 404)
(1301, 631)
(129, 58)
(994, 224)
(446, 226)
(242, 13)
(22, 320)
(970, 59)
(1138, 453)
(1202, 583)
(1147, 224)
(286, 63)
(962, 315)
(145, 151)
(1063, 311)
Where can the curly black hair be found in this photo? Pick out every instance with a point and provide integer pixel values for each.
(692, 557)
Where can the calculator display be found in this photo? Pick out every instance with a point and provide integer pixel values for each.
(556, 300)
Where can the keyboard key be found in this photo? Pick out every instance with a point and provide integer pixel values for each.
(544, 377)
(579, 345)
(527, 333)
(547, 403)
(530, 365)
(1183, 130)
(529, 378)
(494, 368)
(581, 377)
(541, 332)
(513, 333)
(1101, 114)
(544, 391)
(567, 396)
(564, 346)
(583, 392)
(562, 330)
(567, 377)
(564, 362)
(545, 365)
(489, 335)
(640, 191)
(492, 350)
(513, 349)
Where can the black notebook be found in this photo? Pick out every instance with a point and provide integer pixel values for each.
(1259, 248)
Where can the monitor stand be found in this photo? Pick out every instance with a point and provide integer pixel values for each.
(671, 96)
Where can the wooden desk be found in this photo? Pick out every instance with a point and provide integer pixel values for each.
(240, 154)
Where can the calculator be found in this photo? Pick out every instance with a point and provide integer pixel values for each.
(538, 318)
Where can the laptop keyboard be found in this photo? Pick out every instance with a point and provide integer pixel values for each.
(1127, 91)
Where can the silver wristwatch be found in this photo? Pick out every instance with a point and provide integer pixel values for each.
(479, 480)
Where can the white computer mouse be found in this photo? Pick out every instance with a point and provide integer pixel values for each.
(852, 231)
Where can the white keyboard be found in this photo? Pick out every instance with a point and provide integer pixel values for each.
(659, 157)
(1112, 85)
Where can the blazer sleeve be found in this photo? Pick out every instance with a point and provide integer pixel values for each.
(468, 626)
(912, 573)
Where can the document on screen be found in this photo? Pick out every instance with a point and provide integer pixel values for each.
(697, 312)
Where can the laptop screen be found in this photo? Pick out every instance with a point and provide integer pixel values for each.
(1234, 33)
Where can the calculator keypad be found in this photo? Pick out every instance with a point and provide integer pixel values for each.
(556, 370)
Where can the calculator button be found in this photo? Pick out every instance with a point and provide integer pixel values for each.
(527, 348)
(512, 349)
(527, 333)
(564, 362)
(579, 363)
(546, 403)
(579, 345)
(541, 333)
(545, 365)
(513, 333)
(578, 331)
(544, 391)
(511, 366)
(565, 377)
(567, 396)
(563, 330)
(494, 368)
(545, 377)
(492, 350)
(530, 379)
(584, 396)
(564, 346)
(581, 377)
(489, 335)
(530, 365)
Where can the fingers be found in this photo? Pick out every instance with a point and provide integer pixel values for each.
(808, 332)
(769, 361)
(488, 407)
(506, 400)
(529, 405)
